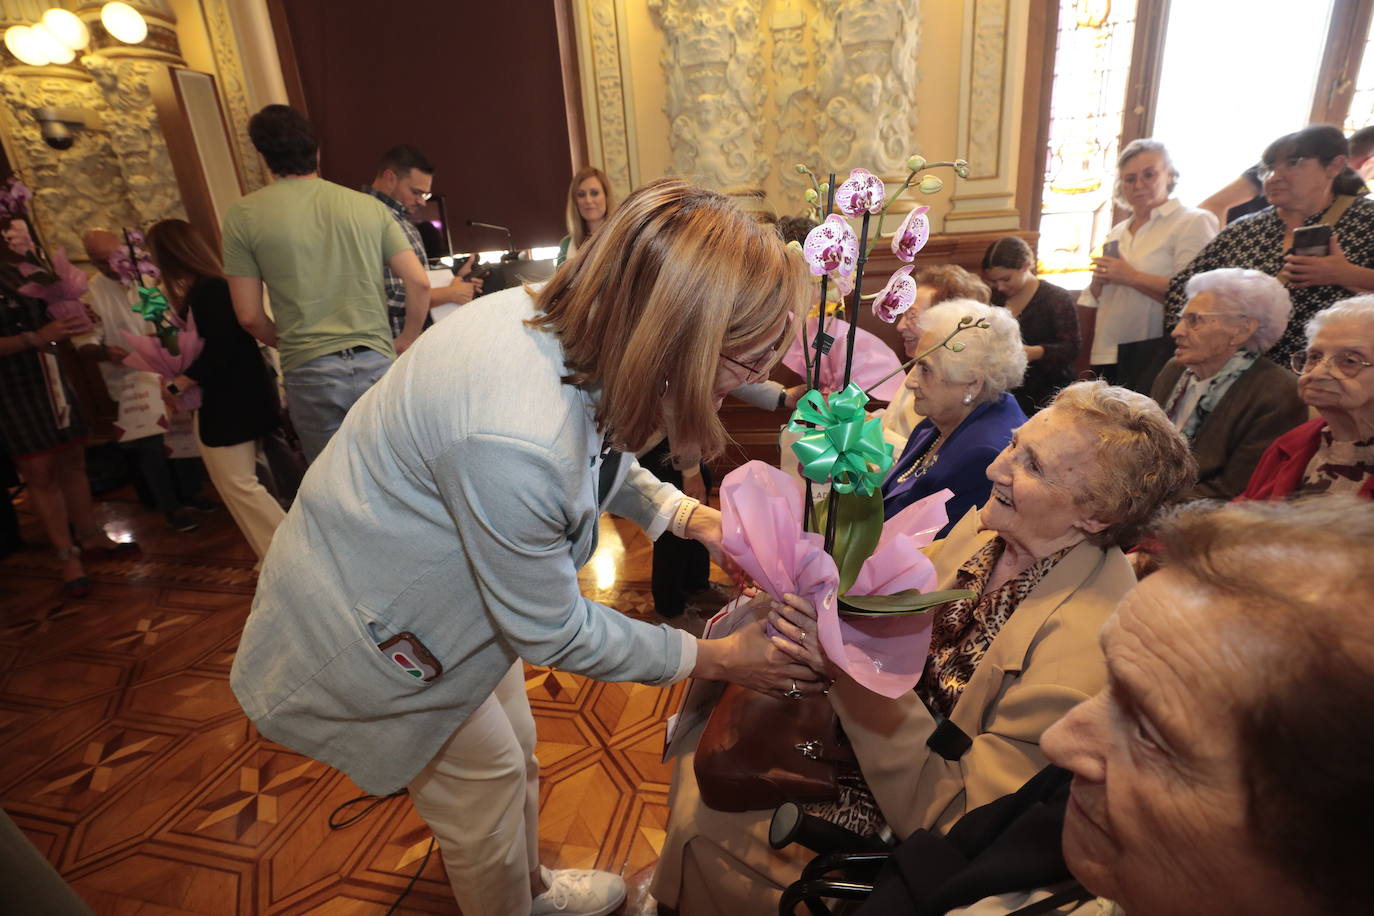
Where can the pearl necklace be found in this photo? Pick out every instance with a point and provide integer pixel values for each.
(924, 463)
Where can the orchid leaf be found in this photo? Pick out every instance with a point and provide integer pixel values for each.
(858, 526)
(911, 601)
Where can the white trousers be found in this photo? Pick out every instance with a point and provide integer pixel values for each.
(480, 796)
(233, 471)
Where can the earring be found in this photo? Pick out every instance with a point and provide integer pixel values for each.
(664, 390)
(968, 399)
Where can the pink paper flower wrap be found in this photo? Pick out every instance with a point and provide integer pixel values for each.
(873, 360)
(64, 294)
(146, 352)
(761, 518)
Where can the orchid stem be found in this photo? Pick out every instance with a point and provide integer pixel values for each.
(964, 324)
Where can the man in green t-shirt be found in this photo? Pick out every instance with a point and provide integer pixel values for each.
(320, 248)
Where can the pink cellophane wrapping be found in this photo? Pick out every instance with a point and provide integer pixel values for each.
(64, 294)
(761, 516)
(873, 360)
(146, 352)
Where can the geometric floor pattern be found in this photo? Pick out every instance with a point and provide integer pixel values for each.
(128, 763)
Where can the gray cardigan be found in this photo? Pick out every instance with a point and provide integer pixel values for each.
(456, 502)
(1260, 406)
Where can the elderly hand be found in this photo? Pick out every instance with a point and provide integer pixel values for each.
(1113, 270)
(750, 658)
(1319, 270)
(60, 329)
(795, 619)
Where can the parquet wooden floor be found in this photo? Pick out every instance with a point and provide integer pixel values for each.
(130, 766)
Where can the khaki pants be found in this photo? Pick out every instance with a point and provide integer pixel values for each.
(480, 796)
(233, 471)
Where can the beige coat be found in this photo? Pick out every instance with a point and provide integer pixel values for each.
(1045, 660)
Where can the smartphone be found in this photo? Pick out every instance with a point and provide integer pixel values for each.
(1312, 240)
(1111, 249)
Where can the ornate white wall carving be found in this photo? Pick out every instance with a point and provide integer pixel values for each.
(714, 66)
(233, 91)
(985, 77)
(607, 107)
(755, 86)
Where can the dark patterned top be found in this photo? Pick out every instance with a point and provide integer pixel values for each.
(1338, 467)
(1256, 242)
(964, 629)
(395, 287)
(32, 421)
(1049, 320)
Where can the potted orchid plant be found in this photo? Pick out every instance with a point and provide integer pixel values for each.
(174, 343)
(867, 578)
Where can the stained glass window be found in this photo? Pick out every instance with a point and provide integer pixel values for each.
(1091, 65)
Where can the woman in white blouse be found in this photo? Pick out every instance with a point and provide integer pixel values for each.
(1157, 240)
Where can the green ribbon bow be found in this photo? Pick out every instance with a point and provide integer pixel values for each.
(845, 447)
(152, 305)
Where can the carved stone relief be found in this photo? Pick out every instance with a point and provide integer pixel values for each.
(73, 189)
(755, 86)
(985, 83)
(714, 65)
(611, 116)
(233, 91)
(136, 136)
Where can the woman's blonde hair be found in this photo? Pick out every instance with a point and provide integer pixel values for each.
(577, 229)
(676, 278)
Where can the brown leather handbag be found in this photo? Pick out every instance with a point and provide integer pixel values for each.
(758, 751)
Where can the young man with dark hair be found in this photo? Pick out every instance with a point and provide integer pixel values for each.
(320, 249)
(403, 183)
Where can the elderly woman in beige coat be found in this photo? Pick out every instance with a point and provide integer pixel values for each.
(1079, 480)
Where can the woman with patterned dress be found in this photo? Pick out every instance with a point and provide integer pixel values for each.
(41, 430)
(1308, 183)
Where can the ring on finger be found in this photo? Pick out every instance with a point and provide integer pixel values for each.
(794, 693)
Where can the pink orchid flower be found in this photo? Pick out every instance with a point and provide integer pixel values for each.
(912, 235)
(898, 296)
(861, 191)
(832, 248)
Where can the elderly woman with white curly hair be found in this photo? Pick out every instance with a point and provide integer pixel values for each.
(969, 412)
(1229, 402)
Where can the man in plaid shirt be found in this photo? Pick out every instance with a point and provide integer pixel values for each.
(403, 183)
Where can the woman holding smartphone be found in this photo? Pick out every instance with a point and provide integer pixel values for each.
(1309, 184)
(1141, 253)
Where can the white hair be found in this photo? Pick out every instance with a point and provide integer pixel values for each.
(1358, 308)
(995, 352)
(1249, 294)
(1133, 149)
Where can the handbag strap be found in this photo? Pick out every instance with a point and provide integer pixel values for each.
(1336, 210)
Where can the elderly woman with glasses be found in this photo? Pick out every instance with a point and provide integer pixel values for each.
(965, 398)
(1308, 183)
(1335, 452)
(1229, 402)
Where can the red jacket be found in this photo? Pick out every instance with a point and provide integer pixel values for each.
(1283, 464)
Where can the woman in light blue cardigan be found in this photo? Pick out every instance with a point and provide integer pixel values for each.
(435, 542)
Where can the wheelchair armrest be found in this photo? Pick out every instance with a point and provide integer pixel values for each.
(843, 861)
(813, 893)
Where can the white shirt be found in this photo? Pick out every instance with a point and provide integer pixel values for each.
(1170, 238)
(113, 305)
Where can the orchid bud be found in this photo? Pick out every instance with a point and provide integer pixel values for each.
(916, 163)
(931, 184)
(794, 245)
(957, 347)
(801, 168)
(961, 168)
(812, 196)
(825, 187)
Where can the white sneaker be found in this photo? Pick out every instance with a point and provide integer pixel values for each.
(578, 892)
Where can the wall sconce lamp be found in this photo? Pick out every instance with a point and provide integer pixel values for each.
(59, 34)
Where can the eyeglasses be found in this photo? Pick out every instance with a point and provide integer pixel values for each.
(1286, 165)
(1344, 364)
(751, 371)
(423, 195)
(1192, 318)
